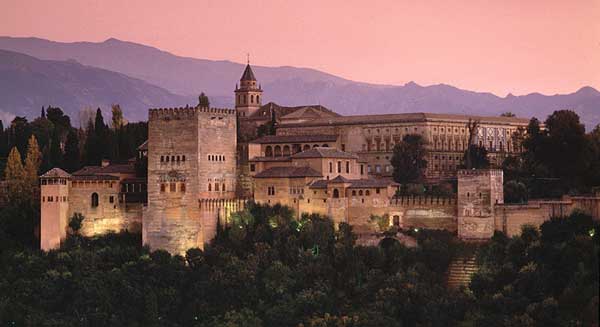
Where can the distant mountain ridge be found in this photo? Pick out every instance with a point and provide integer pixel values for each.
(28, 83)
(297, 86)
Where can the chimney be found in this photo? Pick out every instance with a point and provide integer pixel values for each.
(105, 162)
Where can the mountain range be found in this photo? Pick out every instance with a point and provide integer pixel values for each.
(36, 72)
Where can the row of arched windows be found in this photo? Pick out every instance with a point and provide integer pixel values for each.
(216, 187)
(216, 157)
(243, 99)
(172, 158)
(54, 198)
(173, 187)
(286, 150)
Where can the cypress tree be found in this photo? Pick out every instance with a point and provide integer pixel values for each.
(14, 175)
(72, 160)
(32, 163)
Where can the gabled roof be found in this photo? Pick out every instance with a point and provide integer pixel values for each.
(320, 152)
(55, 173)
(248, 74)
(266, 111)
(288, 172)
(110, 169)
(295, 139)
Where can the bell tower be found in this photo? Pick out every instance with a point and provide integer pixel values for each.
(248, 95)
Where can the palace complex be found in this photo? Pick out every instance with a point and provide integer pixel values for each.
(203, 164)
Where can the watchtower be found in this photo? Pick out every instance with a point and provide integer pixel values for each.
(479, 190)
(54, 188)
(248, 95)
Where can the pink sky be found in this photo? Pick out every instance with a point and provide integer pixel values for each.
(497, 46)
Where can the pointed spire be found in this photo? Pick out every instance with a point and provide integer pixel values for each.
(248, 74)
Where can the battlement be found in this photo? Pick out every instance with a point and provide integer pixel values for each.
(185, 112)
(422, 200)
(479, 172)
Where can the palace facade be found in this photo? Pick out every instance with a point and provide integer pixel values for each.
(203, 164)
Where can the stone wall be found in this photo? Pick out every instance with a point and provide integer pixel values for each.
(478, 191)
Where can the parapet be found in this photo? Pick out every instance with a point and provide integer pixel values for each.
(423, 200)
(185, 112)
(479, 172)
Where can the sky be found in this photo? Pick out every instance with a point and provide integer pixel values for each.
(501, 47)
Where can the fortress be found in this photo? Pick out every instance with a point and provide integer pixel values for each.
(205, 163)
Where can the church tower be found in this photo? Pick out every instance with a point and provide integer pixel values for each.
(248, 95)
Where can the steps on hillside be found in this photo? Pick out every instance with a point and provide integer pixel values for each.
(460, 271)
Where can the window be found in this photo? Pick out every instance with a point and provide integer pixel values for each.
(258, 99)
(182, 187)
(183, 158)
(268, 151)
(377, 169)
(347, 167)
(162, 158)
(362, 169)
(367, 193)
(339, 167)
(111, 199)
(353, 192)
(162, 187)
(209, 187)
(396, 220)
(172, 187)
(94, 200)
(377, 191)
(252, 98)
(271, 190)
(223, 187)
(343, 147)
(167, 158)
(331, 167)
(178, 158)
(244, 99)
(336, 193)
(360, 193)
(252, 167)
(216, 187)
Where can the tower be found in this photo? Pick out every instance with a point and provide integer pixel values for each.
(479, 190)
(248, 95)
(191, 157)
(54, 208)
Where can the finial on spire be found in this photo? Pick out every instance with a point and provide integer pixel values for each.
(248, 58)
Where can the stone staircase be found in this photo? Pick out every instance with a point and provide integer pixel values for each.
(460, 271)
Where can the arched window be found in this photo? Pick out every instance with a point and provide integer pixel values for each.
(277, 151)
(216, 187)
(252, 99)
(396, 220)
(268, 151)
(94, 200)
(360, 193)
(182, 188)
(331, 167)
(367, 193)
(258, 99)
(209, 187)
(286, 150)
(325, 145)
(315, 146)
(244, 99)
(353, 192)
(306, 147)
(223, 187)
(336, 193)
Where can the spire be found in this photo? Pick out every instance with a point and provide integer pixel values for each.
(248, 74)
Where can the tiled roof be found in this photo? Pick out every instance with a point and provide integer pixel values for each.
(94, 177)
(110, 169)
(248, 74)
(320, 152)
(354, 183)
(271, 159)
(288, 172)
(295, 139)
(143, 146)
(266, 110)
(56, 173)
(405, 117)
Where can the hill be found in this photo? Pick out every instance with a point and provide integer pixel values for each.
(298, 86)
(28, 83)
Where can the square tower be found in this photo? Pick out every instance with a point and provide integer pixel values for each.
(191, 156)
(479, 190)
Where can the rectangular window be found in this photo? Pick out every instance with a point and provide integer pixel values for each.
(339, 167)
(182, 187)
(252, 167)
(369, 168)
(343, 147)
(111, 199)
(172, 187)
(330, 167)
(378, 169)
(362, 169)
(347, 167)
(162, 187)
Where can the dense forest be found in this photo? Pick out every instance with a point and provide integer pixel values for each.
(269, 269)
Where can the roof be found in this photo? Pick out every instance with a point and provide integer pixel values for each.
(354, 183)
(248, 74)
(271, 159)
(404, 117)
(295, 139)
(94, 177)
(143, 146)
(321, 152)
(55, 173)
(288, 172)
(266, 111)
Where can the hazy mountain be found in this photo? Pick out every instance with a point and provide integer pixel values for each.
(297, 86)
(28, 83)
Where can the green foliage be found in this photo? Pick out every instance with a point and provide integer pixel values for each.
(408, 159)
(515, 192)
(75, 222)
(382, 222)
(203, 100)
(477, 156)
(540, 278)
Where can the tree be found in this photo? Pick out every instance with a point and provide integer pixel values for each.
(507, 114)
(14, 175)
(203, 101)
(72, 155)
(477, 157)
(75, 222)
(117, 117)
(515, 192)
(33, 161)
(408, 159)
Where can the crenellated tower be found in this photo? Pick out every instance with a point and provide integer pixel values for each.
(248, 95)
